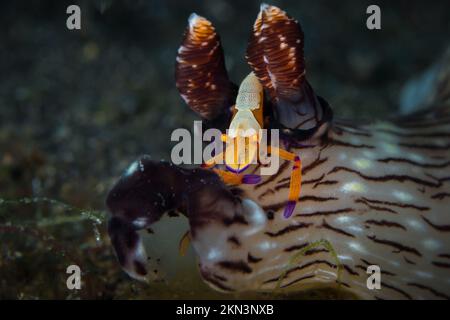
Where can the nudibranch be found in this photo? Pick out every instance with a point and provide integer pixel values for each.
(378, 193)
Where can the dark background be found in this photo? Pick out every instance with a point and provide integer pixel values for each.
(76, 107)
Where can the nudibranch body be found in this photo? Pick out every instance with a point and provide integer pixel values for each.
(378, 193)
(372, 192)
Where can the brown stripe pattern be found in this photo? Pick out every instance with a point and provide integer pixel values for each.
(376, 195)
